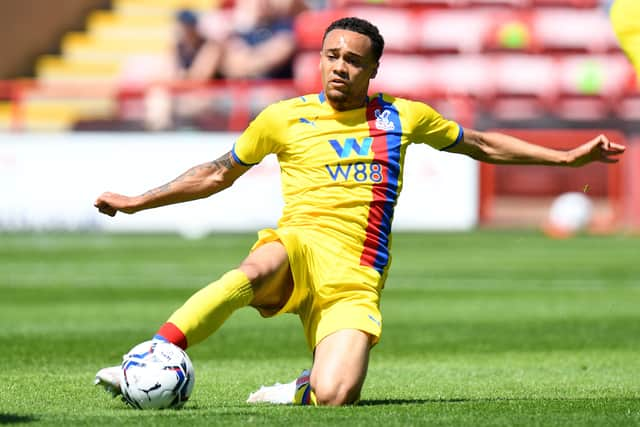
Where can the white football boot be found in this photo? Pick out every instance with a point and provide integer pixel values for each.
(279, 394)
(109, 379)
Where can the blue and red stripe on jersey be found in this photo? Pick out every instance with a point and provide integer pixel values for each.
(386, 148)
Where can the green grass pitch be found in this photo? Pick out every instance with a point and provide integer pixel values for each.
(482, 328)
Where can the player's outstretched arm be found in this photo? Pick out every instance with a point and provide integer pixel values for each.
(493, 147)
(196, 183)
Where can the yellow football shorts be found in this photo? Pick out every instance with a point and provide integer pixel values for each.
(332, 291)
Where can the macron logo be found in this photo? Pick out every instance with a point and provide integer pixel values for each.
(344, 151)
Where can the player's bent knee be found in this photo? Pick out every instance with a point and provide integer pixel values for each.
(265, 263)
(336, 393)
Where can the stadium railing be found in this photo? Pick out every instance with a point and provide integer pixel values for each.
(30, 105)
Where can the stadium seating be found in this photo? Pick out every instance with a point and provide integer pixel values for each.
(306, 72)
(404, 75)
(127, 45)
(512, 59)
(467, 3)
(462, 75)
(310, 26)
(586, 4)
(571, 30)
(510, 30)
(452, 31)
(5, 116)
(590, 85)
(628, 107)
(515, 59)
(397, 25)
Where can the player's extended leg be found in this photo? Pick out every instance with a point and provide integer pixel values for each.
(262, 280)
(340, 367)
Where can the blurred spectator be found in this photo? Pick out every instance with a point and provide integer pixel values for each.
(189, 39)
(195, 56)
(263, 42)
(255, 39)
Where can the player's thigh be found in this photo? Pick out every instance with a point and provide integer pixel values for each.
(267, 268)
(340, 367)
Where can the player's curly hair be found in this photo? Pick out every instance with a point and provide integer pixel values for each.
(358, 25)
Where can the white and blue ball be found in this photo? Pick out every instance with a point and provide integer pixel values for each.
(156, 375)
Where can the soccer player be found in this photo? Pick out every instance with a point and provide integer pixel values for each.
(341, 154)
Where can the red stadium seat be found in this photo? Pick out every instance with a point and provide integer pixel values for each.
(462, 75)
(398, 26)
(599, 75)
(507, 3)
(571, 30)
(306, 74)
(525, 75)
(628, 106)
(347, 3)
(310, 26)
(452, 31)
(525, 86)
(566, 3)
(393, 3)
(510, 30)
(404, 75)
(590, 86)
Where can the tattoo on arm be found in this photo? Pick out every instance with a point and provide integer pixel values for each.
(223, 162)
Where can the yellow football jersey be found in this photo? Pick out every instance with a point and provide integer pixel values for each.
(341, 171)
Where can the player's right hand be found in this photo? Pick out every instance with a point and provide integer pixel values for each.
(110, 203)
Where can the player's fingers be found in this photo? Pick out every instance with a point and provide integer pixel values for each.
(105, 208)
(609, 159)
(611, 151)
(604, 143)
(99, 203)
(600, 141)
(108, 210)
(612, 147)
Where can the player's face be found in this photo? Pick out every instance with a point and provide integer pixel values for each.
(346, 66)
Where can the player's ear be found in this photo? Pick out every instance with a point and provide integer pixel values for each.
(375, 71)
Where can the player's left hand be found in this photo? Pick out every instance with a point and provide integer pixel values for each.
(112, 203)
(599, 149)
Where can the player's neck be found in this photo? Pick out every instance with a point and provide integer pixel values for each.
(348, 104)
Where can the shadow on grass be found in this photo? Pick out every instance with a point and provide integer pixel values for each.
(375, 402)
(16, 419)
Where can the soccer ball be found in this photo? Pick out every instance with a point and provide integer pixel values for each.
(569, 214)
(156, 375)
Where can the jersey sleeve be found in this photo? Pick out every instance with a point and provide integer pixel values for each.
(433, 129)
(262, 137)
